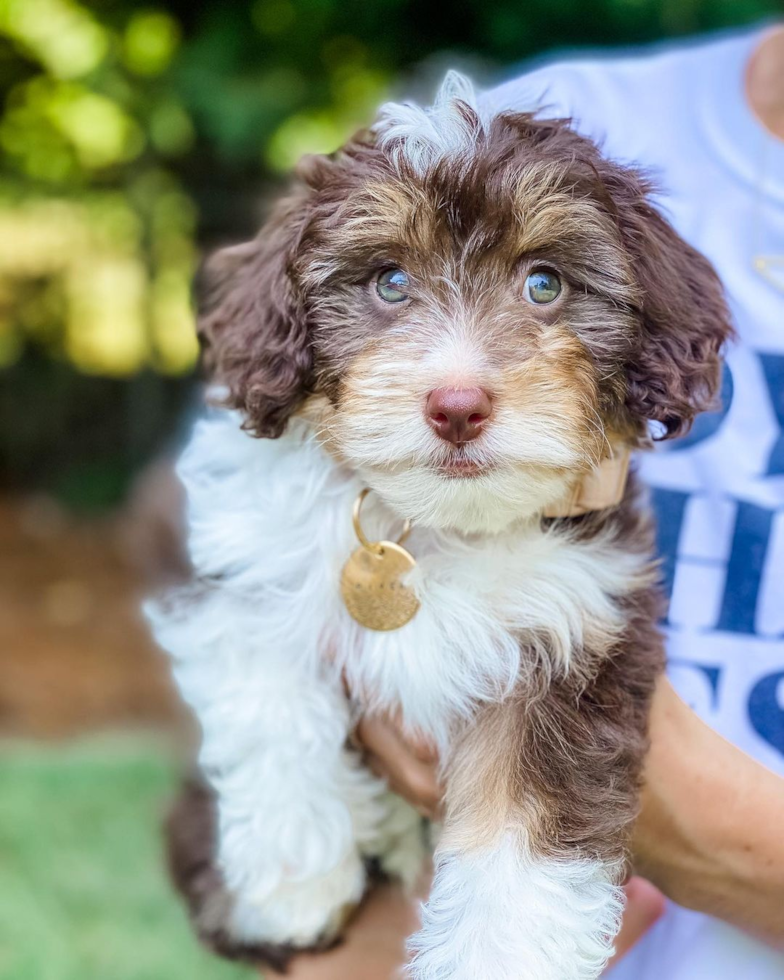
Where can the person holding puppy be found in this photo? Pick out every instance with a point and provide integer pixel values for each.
(708, 119)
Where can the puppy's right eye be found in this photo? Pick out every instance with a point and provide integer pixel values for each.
(392, 286)
(542, 287)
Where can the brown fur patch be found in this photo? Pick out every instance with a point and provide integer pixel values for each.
(562, 763)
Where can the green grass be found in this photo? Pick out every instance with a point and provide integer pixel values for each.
(83, 892)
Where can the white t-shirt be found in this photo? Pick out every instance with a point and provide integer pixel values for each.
(719, 492)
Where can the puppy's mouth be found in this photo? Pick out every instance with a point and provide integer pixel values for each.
(458, 465)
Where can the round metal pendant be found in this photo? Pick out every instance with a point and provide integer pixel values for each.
(372, 589)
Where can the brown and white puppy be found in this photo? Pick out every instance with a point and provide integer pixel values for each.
(467, 314)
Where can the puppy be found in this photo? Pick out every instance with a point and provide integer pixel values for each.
(475, 318)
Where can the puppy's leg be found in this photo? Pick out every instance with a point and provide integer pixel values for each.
(539, 801)
(192, 834)
(291, 802)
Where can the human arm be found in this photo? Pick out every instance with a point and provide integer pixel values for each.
(710, 830)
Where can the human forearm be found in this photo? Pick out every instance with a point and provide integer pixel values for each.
(711, 831)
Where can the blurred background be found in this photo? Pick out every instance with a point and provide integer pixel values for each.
(132, 138)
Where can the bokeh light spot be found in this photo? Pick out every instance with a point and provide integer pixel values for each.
(62, 35)
(150, 42)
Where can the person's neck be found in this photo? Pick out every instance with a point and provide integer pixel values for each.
(765, 82)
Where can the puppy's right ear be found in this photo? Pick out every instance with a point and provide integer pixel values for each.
(253, 321)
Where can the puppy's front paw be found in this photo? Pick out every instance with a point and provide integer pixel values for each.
(307, 916)
(499, 915)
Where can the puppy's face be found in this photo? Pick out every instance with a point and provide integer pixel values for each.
(461, 340)
(464, 308)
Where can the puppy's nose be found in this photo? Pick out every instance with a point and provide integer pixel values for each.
(458, 414)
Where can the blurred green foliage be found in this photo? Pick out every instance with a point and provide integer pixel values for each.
(132, 134)
(84, 894)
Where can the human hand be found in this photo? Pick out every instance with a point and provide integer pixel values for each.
(409, 765)
(645, 905)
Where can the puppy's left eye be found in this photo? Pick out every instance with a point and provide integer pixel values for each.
(542, 287)
(392, 286)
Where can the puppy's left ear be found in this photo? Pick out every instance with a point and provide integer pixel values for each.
(676, 372)
(253, 321)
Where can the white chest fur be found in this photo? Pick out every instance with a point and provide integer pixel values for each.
(272, 521)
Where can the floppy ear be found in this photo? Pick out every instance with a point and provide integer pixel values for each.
(676, 372)
(253, 322)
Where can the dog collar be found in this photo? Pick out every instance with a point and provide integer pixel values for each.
(371, 582)
(601, 488)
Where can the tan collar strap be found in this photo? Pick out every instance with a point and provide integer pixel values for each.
(601, 488)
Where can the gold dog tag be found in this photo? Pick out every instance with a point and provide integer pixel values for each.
(371, 583)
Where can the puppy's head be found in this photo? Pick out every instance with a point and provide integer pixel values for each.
(471, 309)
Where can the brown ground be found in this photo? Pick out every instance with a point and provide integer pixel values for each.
(74, 652)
